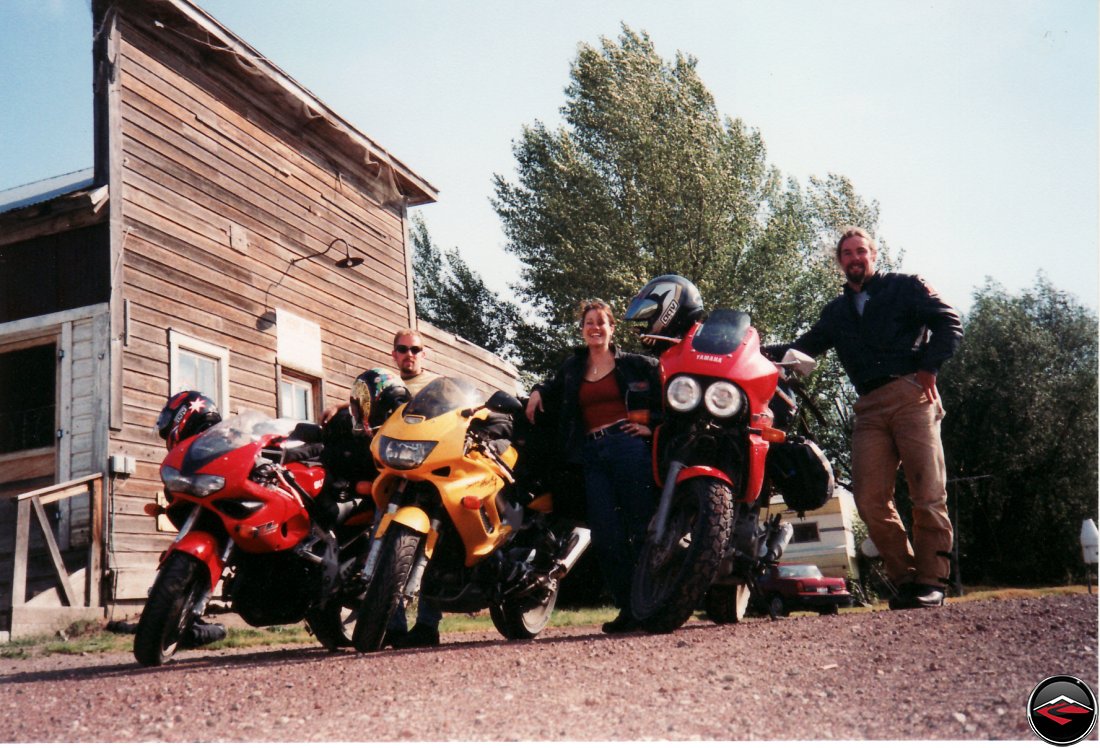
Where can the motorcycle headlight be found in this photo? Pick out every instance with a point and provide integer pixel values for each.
(193, 485)
(403, 455)
(684, 394)
(723, 399)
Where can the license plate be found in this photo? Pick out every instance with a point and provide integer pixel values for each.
(822, 590)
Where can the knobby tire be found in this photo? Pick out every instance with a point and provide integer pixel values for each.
(727, 603)
(670, 580)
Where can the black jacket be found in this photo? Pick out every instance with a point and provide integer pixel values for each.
(639, 381)
(905, 327)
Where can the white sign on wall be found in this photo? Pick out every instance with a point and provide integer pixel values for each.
(299, 343)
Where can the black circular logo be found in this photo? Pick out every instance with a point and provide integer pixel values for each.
(1062, 710)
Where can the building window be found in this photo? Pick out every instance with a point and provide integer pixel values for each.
(297, 397)
(27, 393)
(198, 365)
(806, 532)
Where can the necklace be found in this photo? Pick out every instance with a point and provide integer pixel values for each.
(594, 371)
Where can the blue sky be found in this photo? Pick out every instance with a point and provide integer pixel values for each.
(974, 123)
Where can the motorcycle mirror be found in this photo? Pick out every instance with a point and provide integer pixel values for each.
(799, 361)
(502, 402)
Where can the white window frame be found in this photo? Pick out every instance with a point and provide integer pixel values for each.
(297, 379)
(178, 341)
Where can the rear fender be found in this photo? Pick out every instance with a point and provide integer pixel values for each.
(205, 548)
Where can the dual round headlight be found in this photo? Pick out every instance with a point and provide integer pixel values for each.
(723, 399)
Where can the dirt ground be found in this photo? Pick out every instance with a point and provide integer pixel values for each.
(964, 671)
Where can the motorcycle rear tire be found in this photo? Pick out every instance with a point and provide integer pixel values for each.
(670, 580)
(169, 611)
(524, 618)
(727, 603)
(333, 624)
(386, 588)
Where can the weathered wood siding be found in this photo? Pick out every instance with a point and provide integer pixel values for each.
(222, 185)
(453, 356)
(81, 337)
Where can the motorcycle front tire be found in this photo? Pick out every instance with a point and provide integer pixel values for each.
(671, 578)
(387, 587)
(169, 611)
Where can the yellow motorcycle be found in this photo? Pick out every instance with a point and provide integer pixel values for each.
(450, 526)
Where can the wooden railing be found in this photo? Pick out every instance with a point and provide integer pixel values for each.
(32, 504)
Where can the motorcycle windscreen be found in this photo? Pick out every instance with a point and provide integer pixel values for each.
(444, 395)
(233, 433)
(723, 331)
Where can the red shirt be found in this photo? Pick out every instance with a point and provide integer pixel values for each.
(601, 402)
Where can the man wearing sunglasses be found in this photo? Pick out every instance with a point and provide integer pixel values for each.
(408, 356)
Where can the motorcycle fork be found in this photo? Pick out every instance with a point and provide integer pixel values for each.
(659, 524)
(423, 555)
(202, 602)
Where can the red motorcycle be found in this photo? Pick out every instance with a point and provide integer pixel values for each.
(706, 543)
(244, 494)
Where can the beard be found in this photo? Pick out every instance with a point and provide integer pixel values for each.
(856, 273)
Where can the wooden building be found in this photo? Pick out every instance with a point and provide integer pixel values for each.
(207, 249)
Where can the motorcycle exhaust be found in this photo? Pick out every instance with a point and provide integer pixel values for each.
(777, 543)
(578, 543)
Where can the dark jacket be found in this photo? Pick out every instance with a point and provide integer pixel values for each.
(905, 327)
(639, 381)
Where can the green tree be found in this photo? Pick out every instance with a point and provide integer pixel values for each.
(1021, 399)
(645, 177)
(452, 296)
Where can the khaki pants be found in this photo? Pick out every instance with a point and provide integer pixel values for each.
(896, 423)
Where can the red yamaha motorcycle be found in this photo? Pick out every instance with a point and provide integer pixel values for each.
(243, 495)
(706, 543)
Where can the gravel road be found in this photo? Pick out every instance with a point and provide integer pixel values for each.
(964, 671)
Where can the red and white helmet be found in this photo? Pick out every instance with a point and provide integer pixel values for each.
(184, 415)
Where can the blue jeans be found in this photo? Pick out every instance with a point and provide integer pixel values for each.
(620, 499)
(426, 615)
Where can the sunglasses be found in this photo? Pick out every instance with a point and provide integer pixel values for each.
(413, 349)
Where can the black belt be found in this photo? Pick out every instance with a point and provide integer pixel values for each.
(865, 388)
(614, 428)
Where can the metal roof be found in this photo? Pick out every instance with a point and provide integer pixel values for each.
(45, 189)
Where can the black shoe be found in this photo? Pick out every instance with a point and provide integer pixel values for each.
(624, 623)
(202, 632)
(420, 635)
(392, 636)
(911, 596)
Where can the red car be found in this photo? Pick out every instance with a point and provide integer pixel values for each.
(788, 587)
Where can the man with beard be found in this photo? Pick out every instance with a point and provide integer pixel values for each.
(892, 333)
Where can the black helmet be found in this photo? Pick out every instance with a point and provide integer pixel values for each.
(375, 395)
(184, 415)
(668, 305)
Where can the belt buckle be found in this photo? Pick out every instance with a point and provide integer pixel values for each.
(606, 431)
